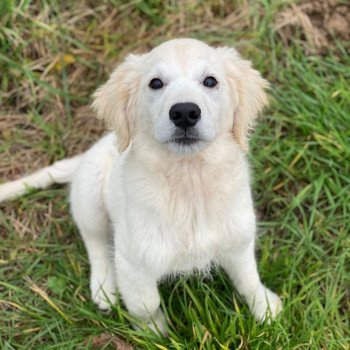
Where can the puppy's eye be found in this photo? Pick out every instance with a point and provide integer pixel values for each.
(210, 82)
(155, 84)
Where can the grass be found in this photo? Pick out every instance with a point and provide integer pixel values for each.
(53, 55)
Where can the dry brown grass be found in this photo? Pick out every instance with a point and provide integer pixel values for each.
(321, 22)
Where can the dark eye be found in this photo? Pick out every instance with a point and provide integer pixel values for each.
(156, 84)
(210, 82)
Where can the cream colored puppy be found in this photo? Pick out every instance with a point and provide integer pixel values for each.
(175, 195)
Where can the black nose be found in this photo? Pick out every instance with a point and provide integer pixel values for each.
(185, 115)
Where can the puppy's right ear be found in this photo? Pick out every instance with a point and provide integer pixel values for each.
(115, 101)
(247, 89)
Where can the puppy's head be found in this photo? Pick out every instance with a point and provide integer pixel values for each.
(182, 95)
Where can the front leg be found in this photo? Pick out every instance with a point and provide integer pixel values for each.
(241, 267)
(139, 291)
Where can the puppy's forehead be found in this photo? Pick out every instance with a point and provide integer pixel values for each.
(182, 53)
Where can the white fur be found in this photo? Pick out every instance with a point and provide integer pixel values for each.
(171, 208)
(59, 172)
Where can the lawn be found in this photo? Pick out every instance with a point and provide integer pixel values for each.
(53, 55)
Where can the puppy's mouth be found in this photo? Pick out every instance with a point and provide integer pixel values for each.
(186, 138)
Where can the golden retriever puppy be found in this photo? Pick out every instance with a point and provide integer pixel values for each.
(171, 184)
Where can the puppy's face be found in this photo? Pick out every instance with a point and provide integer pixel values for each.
(183, 95)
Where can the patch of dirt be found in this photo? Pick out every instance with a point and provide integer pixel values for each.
(102, 340)
(320, 23)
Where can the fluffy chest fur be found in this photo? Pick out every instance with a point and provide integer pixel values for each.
(179, 214)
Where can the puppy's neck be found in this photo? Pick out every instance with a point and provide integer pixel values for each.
(223, 153)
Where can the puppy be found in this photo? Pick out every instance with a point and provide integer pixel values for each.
(175, 192)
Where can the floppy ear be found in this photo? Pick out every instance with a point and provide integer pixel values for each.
(115, 101)
(249, 85)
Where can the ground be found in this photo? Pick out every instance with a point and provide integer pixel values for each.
(53, 55)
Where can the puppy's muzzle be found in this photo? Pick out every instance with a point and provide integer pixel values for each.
(185, 115)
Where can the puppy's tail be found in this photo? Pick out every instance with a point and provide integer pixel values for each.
(59, 172)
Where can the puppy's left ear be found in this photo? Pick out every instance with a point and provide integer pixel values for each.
(247, 93)
(116, 100)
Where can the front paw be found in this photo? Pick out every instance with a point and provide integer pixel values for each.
(157, 323)
(266, 306)
(103, 293)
